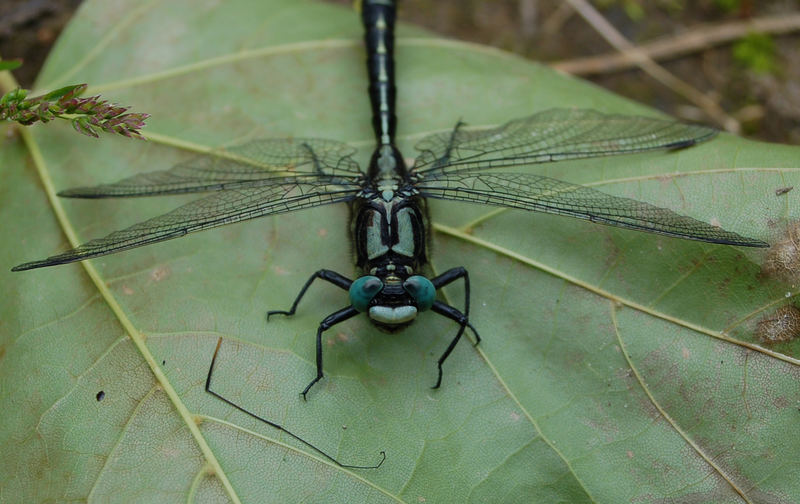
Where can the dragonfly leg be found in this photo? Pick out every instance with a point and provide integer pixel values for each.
(275, 425)
(329, 321)
(328, 275)
(453, 314)
(451, 276)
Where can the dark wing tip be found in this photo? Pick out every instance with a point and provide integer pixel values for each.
(682, 144)
(708, 134)
(738, 241)
(726, 238)
(30, 265)
(755, 243)
(55, 260)
(79, 192)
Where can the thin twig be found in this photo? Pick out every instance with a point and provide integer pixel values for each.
(556, 20)
(643, 61)
(695, 39)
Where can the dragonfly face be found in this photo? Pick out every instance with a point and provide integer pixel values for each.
(392, 302)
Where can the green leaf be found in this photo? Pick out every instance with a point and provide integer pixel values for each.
(10, 64)
(72, 90)
(756, 51)
(615, 366)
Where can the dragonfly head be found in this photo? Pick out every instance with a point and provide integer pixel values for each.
(391, 302)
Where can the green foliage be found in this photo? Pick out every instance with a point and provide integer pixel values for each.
(756, 52)
(728, 5)
(615, 366)
(9, 64)
(635, 9)
(632, 8)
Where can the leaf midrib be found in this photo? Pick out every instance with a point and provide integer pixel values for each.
(136, 336)
(666, 416)
(459, 234)
(270, 50)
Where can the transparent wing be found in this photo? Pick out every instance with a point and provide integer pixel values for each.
(218, 209)
(544, 194)
(250, 164)
(552, 135)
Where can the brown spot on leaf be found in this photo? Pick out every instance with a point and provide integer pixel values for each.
(779, 326)
(159, 273)
(780, 402)
(783, 259)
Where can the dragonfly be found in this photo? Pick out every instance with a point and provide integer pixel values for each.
(390, 225)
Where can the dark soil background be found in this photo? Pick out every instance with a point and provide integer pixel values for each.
(755, 77)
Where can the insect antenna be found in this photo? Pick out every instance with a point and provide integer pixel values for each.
(277, 426)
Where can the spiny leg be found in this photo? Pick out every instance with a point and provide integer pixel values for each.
(327, 275)
(450, 276)
(453, 314)
(275, 425)
(329, 321)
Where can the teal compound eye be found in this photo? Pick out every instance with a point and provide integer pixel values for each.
(422, 290)
(362, 290)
